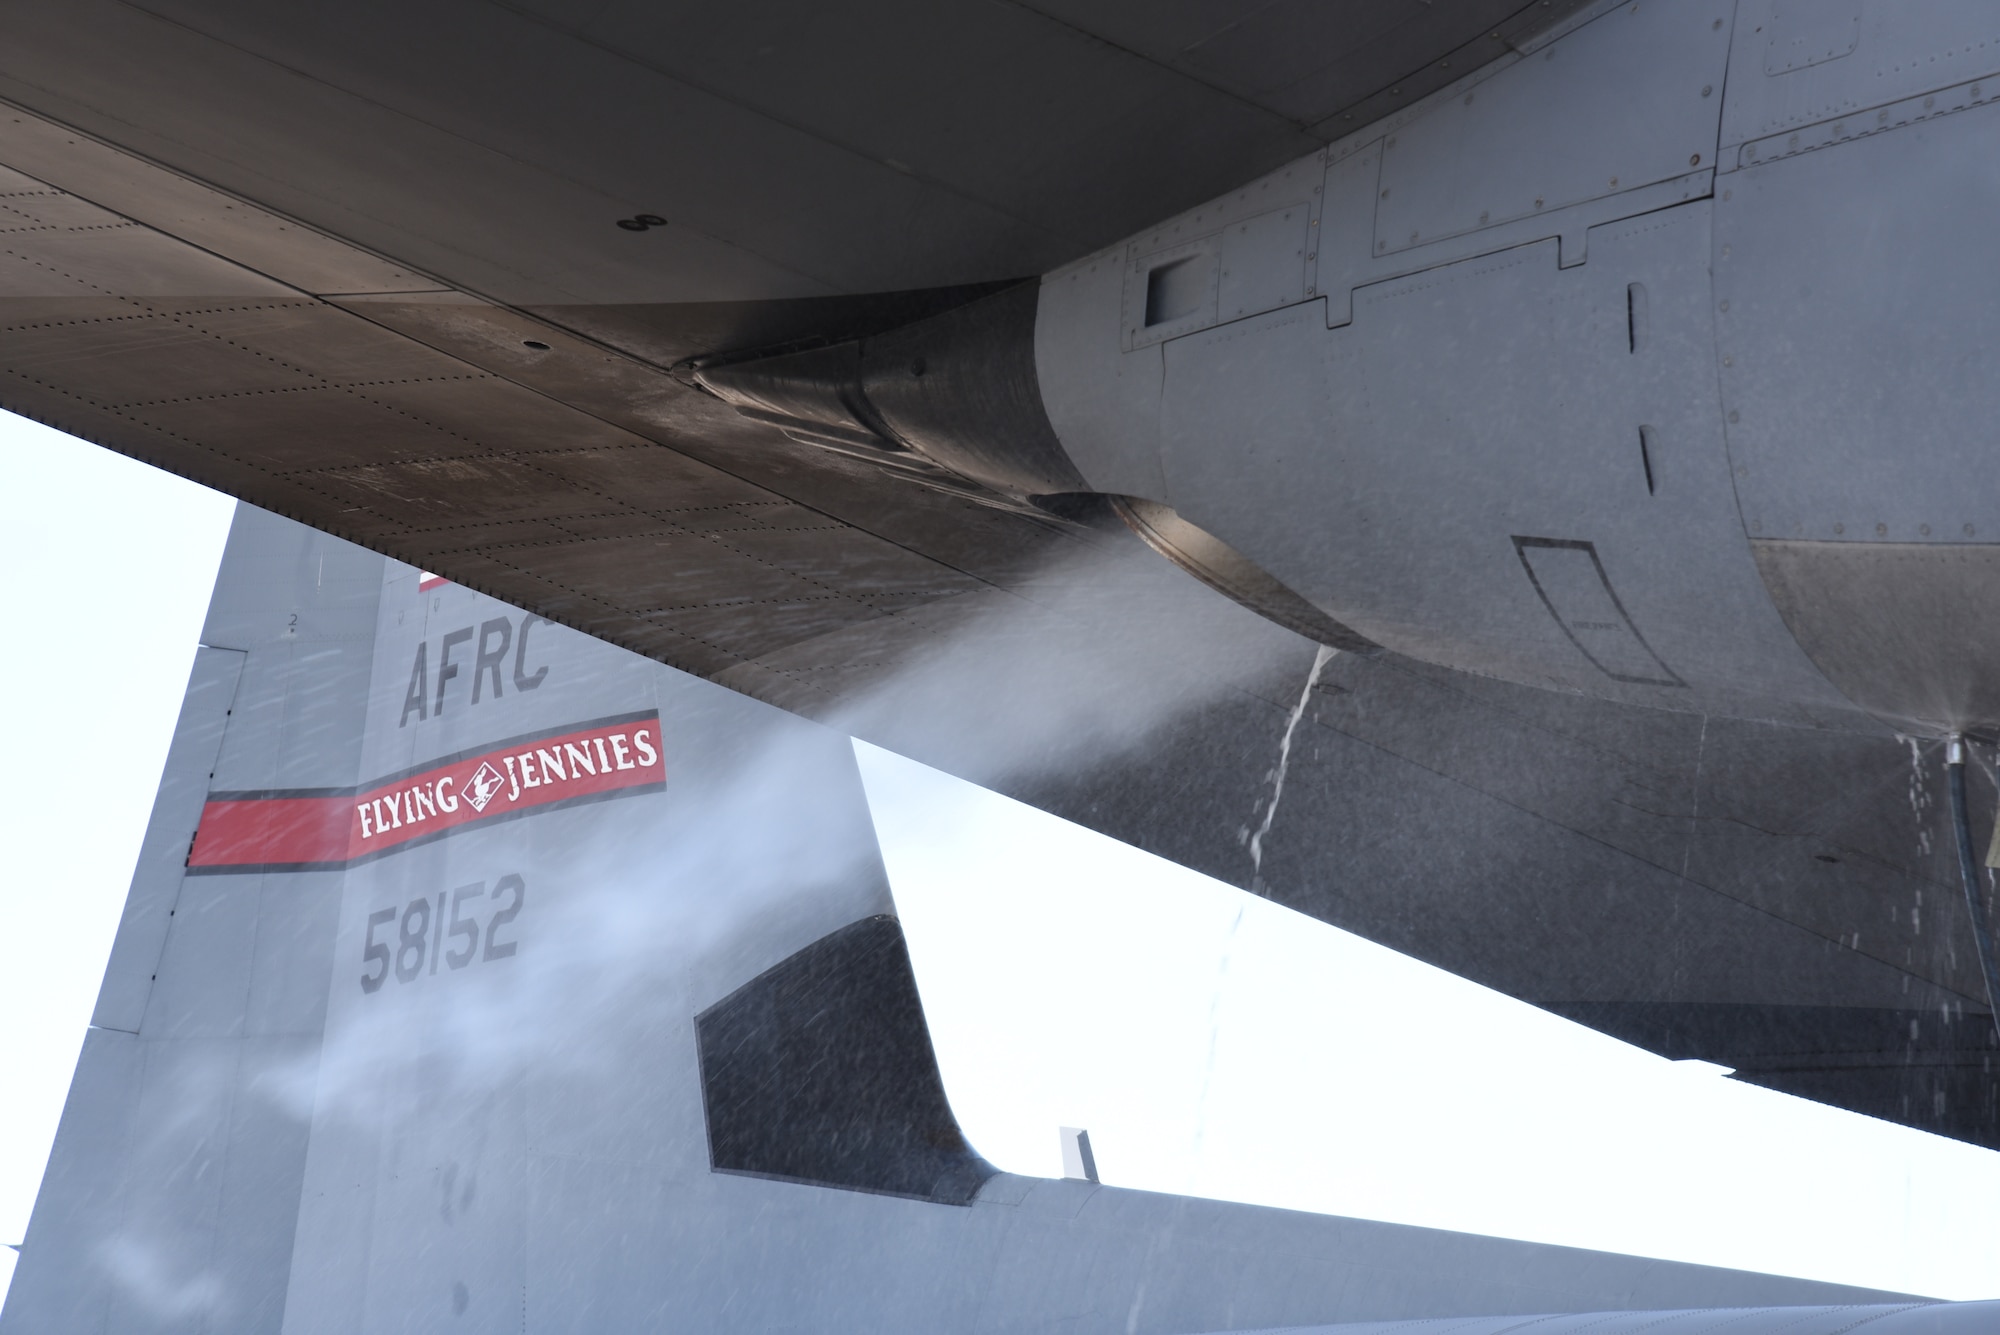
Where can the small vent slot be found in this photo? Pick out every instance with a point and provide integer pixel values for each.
(1177, 289)
(1635, 316)
(1648, 439)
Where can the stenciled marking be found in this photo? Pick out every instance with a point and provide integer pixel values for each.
(419, 944)
(326, 828)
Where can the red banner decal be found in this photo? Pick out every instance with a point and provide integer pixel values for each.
(288, 830)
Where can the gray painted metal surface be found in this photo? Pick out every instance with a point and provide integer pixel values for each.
(1625, 102)
(1573, 358)
(746, 130)
(156, 883)
(1922, 1319)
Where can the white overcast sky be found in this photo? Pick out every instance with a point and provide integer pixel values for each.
(1213, 1043)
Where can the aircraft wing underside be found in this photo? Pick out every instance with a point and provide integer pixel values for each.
(389, 295)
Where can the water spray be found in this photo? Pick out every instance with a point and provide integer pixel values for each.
(1968, 871)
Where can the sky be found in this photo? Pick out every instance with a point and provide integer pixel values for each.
(1212, 1042)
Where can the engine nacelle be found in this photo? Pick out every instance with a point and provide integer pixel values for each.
(1646, 362)
(1585, 373)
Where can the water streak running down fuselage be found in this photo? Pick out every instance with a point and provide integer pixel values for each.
(1320, 660)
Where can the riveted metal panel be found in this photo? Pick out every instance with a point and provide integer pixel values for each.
(1346, 231)
(1627, 100)
(1800, 62)
(1856, 301)
(1810, 32)
(1263, 263)
(1260, 235)
(1865, 124)
(1386, 471)
(274, 246)
(156, 882)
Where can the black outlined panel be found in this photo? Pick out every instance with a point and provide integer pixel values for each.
(1577, 592)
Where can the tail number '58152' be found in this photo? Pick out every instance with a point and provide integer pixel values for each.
(416, 945)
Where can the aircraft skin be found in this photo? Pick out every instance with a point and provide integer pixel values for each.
(1530, 382)
(1601, 381)
(625, 1037)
